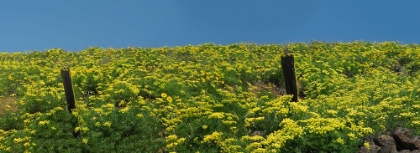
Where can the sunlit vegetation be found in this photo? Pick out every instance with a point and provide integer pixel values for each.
(208, 98)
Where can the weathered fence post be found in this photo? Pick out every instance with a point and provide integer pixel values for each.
(68, 89)
(287, 65)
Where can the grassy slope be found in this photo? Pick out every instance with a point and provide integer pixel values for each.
(350, 89)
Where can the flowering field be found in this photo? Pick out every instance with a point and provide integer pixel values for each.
(209, 98)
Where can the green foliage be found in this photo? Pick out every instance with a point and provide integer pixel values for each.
(209, 98)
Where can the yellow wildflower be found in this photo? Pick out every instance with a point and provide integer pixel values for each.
(85, 141)
(352, 136)
(43, 122)
(125, 109)
(339, 140)
(169, 98)
(216, 115)
(171, 138)
(110, 106)
(367, 145)
(17, 140)
(84, 129)
(215, 136)
(107, 123)
(164, 95)
(26, 144)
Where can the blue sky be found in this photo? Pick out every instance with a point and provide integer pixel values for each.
(27, 25)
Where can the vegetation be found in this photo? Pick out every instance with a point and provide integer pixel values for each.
(209, 98)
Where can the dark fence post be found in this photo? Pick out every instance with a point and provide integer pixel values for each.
(68, 89)
(287, 65)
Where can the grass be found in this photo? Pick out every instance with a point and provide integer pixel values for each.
(7, 103)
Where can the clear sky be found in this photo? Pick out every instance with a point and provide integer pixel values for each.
(27, 25)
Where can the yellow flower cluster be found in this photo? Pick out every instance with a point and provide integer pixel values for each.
(215, 95)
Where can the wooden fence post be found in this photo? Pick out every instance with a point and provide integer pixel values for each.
(68, 89)
(287, 65)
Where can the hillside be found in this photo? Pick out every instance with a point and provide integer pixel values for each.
(209, 98)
